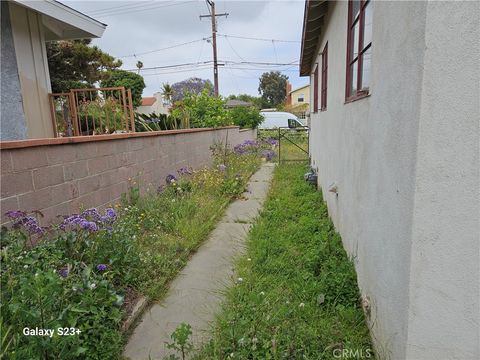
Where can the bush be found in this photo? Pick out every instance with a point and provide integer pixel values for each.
(202, 110)
(246, 117)
(128, 80)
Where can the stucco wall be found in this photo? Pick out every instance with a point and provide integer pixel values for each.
(406, 163)
(31, 57)
(60, 178)
(12, 126)
(444, 314)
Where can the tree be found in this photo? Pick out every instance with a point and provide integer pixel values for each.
(193, 86)
(139, 65)
(167, 92)
(129, 80)
(77, 64)
(272, 88)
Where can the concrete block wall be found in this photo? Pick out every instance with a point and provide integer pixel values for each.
(60, 176)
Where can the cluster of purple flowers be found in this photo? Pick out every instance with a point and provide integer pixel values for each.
(101, 267)
(63, 272)
(29, 223)
(170, 179)
(268, 154)
(272, 142)
(90, 220)
(247, 147)
(184, 171)
(222, 167)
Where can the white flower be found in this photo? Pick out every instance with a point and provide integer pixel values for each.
(173, 200)
(92, 286)
(74, 288)
(262, 293)
(301, 305)
(249, 259)
(179, 188)
(240, 279)
(25, 266)
(36, 274)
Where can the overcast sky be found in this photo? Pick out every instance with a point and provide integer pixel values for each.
(139, 27)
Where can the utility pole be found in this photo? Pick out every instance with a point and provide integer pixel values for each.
(214, 41)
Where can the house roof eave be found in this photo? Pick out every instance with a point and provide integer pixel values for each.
(314, 13)
(63, 21)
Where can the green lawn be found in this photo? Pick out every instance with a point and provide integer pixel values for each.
(296, 295)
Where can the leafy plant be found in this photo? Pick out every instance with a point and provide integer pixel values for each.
(127, 79)
(246, 117)
(181, 340)
(202, 110)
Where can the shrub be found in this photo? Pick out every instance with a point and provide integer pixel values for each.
(246, 117)
(202, 110)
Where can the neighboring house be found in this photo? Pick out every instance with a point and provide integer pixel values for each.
(25, 80)
(233, 103)
(298, 100)
(153, 104)
(395, 137)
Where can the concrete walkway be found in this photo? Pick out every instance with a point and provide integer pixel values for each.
(196, 294)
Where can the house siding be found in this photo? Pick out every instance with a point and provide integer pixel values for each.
(31, 57)
(374, 150)
(13, 126)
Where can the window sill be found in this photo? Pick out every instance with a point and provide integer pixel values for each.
(356, 97)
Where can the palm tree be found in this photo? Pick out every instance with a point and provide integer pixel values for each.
(167, 92)
(139, 66)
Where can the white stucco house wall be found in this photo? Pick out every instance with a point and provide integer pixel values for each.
(401, 144)
(25, 81)
(153, 104)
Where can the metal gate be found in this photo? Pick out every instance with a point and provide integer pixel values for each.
(293, 143)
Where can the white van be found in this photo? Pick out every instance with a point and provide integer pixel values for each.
(276, 119)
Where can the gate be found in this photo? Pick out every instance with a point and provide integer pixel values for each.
(293, 143)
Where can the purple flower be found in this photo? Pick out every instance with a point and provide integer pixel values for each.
(93, 213)
(63, 272)
(109, 217)
(15, 214)
(268, 154)
(88, 225)
(77, 220)
(29, 223)
(250, 142)
(272, 142)
(101, 267)
(222, 167)
(184, 171)
(170, 178)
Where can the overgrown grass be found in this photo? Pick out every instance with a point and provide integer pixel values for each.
(80, 273)
(296, 296)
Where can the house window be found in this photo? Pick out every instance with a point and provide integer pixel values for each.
(301, 98)
(359, 49)
(315, 90)
(323, 103)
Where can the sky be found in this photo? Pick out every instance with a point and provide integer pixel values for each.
(142, 30)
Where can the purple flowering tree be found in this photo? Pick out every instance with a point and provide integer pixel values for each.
(192, 85)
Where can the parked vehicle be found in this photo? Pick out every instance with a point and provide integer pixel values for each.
(276, 119)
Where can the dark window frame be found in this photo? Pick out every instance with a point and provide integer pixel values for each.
(357, 61)
(323, 90)
(315, 89)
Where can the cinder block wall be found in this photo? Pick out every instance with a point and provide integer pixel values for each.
(60, 176)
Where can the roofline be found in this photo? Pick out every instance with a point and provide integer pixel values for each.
(66, 14)
(299, 88)
(313, 16)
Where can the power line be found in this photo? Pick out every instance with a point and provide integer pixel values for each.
(220, 63)
(152, 7)
(259, 39)
(109, 9)
(165, 48)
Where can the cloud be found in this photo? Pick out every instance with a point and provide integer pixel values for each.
(136, 27)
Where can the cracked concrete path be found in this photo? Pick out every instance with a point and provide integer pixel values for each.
(196, 293)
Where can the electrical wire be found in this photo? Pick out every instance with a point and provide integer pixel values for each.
(258, 39)
(165, 48)
(153, 7)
